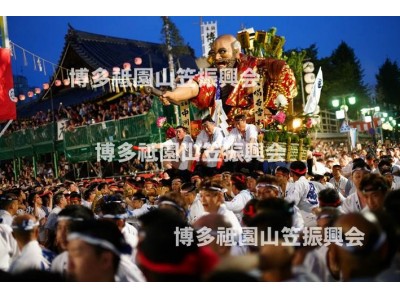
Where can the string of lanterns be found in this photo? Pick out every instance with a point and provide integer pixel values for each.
(40, 65)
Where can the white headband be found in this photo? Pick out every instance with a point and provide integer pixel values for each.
(94, 241)
(172, 204)
(67, 218)
(268, 185)
(26, 225)
(216, 189)
(118, 216)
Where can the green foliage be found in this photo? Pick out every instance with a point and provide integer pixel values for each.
(283, 136)
(295, 138)
(295, 62)
(268, 136)
(307, 141)
(296, 57)
(343, 75)
(312, 53)
(271, 136)
(173, 37)
(388, 83)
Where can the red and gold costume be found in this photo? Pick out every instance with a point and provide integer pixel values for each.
(277, 78)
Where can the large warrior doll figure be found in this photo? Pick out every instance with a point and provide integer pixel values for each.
(263, 86)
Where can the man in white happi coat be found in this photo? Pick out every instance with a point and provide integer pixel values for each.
(94, 251)
(8, 208)
(60, 203)
(212, 198)
(243, 141)
(207, 146)
(114, 211)
(356, 201)
(8, 247)
(177, 153)
(192, 200)
(26, 232)
(268, 188)
(388, 174)
(242, 195)
(338, 180)
(303, 193)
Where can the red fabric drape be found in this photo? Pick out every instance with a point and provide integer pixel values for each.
(8, 109)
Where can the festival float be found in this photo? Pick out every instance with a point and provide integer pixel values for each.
(284, 135)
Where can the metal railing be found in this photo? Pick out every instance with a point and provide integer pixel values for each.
(79, 144)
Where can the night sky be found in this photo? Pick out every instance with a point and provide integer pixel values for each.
(373, 38)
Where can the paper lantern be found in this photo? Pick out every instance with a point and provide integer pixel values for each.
(57, 82)
(66, 82)
(309, 78)
(308, 67)
(22, 97)
(308, 88)
(30, 94)
(138, 61)
(37, 90)
(127, 66)
(46, 86)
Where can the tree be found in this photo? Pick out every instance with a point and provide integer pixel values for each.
(388, 83)
(308, 54)
(343, 75)
(312, 53)
(176, 41)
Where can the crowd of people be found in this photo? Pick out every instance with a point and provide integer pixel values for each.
(87, 113)
(45, 172)
(215, 210)
(80, 115)
(340, 213)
